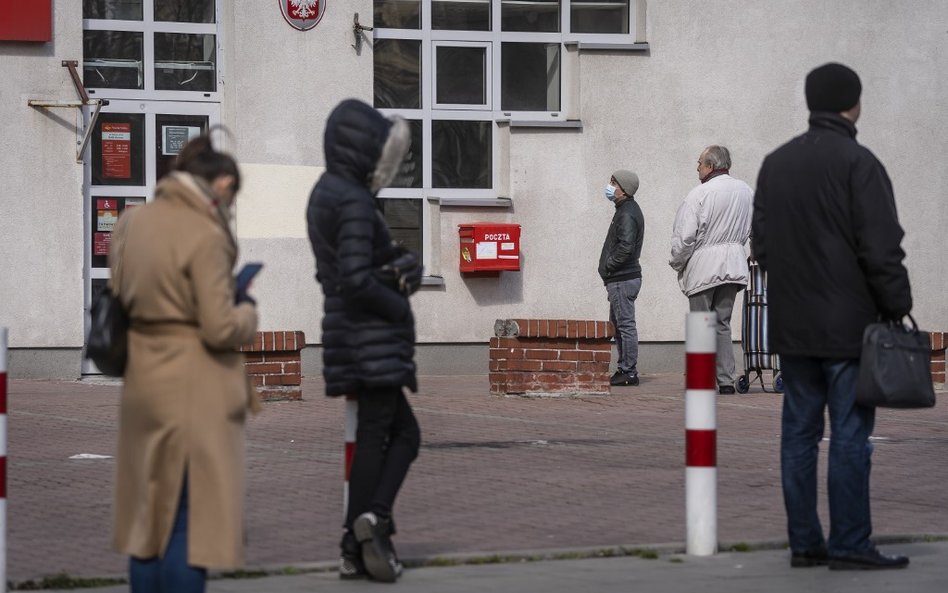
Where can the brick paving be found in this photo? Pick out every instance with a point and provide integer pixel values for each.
(494, 473)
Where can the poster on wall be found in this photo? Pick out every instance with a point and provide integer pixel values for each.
(173, 138)
(100, 243)
(117, 150)
(106, 215)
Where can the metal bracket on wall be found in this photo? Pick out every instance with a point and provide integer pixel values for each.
(82, 136)
(357, 32)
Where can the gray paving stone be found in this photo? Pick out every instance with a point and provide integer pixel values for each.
(494, 473)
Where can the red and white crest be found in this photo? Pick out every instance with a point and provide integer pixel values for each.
(303, 15)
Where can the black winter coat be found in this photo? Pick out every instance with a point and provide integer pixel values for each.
(368, 327)
(826, 232)
(619, 259)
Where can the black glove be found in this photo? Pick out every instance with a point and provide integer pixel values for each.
(403, 273)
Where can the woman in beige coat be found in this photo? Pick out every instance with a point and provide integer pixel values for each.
(178, 497)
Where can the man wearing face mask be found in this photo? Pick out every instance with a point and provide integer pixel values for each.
(707, 249)
(621, 273)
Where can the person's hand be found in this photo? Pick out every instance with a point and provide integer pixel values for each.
(243, 297)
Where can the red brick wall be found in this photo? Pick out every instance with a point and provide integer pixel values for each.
(273, 363)
(550, 356)
(939, 342)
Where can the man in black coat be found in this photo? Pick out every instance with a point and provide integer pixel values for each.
(368, 327)
(826, 232)
(621, 272)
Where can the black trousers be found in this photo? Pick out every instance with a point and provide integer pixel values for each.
(387, 441)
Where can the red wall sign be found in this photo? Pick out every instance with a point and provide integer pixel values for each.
(117, 150)
(26, 20)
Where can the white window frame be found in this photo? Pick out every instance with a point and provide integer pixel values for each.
(488, 77)
(148, 27)
(429, 111)
(618, 39)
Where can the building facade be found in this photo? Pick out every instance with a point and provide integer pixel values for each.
(520, 111)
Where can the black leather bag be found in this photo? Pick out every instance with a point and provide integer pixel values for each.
(894, 370)
(107, 342)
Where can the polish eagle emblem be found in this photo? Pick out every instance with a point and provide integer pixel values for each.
(303, 15)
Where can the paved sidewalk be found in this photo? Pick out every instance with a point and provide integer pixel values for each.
(755, 572)
(494, 474)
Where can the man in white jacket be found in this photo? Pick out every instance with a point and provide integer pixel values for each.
(707, 249)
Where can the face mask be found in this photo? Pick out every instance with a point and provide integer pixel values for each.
(610, 193)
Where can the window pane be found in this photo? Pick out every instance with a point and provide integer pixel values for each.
(112, 60)
(461, 15)
(461, 154)
(397, 14)
(599, 16)
(411, 173)
(404, 219)
(185, 11)
(185, 62)
(118, 149)
(530, 77)
(124, 10)
(530, 15)
(462, 75)
(397, 73)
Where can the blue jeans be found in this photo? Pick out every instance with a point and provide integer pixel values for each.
(812, 384)
(622, 295)
(169, 573)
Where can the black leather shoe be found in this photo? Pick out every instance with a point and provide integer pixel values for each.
(726, 390)
(808, 558)
(871, 559)
(621, 378)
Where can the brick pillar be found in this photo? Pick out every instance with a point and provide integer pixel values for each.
(939, 342)
(550, 357)
(273, 363)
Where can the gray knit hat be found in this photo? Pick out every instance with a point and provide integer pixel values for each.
(627, 180)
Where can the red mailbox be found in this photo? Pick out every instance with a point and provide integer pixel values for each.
(489, 247)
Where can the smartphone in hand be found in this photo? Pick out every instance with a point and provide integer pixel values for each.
(246, 275)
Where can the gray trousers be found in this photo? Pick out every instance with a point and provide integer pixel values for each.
(622, 297)
(720, 300)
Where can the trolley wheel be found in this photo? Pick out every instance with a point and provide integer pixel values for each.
(743, 384)
(778, 383)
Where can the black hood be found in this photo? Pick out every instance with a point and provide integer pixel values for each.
(355, 135)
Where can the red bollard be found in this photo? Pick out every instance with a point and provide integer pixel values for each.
(3, 459)
(701, 473)
(351, 421)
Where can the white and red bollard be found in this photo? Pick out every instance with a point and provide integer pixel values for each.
(3, 459)
(351, 422)
(701, 473)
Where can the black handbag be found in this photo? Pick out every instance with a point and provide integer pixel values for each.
(107, 342)
(894, 370)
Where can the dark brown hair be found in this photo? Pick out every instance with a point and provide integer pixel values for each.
(199, 158)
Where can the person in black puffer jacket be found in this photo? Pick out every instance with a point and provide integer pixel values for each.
(368, 327)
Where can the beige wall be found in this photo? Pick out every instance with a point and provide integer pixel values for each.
(41, 193)
(732, 75)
